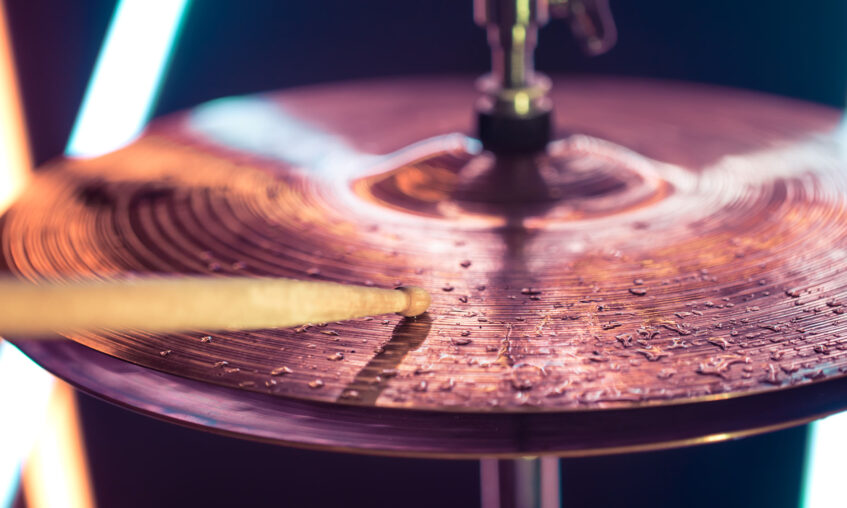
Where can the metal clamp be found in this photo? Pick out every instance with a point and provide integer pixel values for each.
(515, 112)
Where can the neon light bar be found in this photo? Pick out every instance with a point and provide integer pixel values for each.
(127, 75)
(825, 451)
(56, 470)
(24, 392)
(14, 150)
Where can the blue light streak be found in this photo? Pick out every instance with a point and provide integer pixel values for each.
(825, 451)
(24, 392)
(127, 75)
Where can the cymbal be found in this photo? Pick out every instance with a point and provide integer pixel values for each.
(686, 252)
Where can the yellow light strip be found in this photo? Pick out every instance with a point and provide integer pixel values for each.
(56, 473)
(14, 151)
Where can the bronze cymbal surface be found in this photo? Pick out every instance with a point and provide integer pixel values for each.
(692, 247)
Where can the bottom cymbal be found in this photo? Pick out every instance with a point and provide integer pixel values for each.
(434, 434)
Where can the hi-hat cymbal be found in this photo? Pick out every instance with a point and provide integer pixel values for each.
(690, 250)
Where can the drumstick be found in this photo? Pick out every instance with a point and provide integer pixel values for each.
(193, 303)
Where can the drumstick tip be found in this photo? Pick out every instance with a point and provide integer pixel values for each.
(419, 301)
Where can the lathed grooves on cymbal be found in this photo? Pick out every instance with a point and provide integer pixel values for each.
(725, 277)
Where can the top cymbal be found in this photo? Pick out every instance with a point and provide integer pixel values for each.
(691, 248)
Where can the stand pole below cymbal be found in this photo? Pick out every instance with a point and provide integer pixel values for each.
(520, 483)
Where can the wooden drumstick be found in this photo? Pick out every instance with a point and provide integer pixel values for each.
(193, 303)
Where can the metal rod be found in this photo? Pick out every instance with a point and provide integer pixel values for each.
(520, 483)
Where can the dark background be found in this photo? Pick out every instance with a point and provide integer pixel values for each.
(231, 47)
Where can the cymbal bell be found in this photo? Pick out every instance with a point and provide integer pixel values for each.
(678, 245)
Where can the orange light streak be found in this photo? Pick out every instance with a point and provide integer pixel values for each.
(15, 158)
(56, 473)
